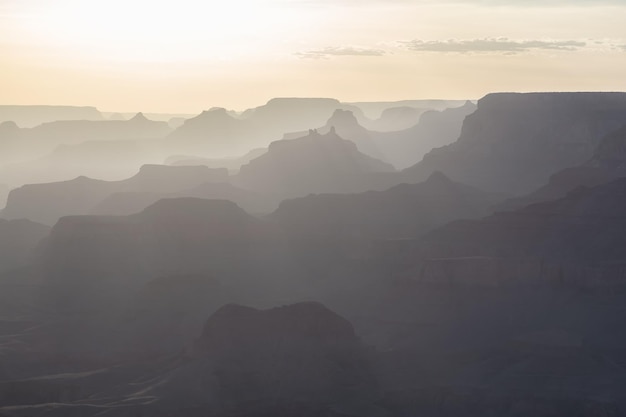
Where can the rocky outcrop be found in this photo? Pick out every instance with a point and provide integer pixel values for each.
(315, 163)
(302, 356)
(514, 142)
(345, 124)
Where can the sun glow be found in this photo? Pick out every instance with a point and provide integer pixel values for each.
(156, 31)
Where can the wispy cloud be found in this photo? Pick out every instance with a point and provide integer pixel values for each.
(330, 51)
(491, 45)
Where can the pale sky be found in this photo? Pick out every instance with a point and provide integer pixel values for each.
(184, 56)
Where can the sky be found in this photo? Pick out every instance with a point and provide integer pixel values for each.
(185, 56)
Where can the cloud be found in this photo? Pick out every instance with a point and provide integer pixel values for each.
(491, 45)
(331, 51)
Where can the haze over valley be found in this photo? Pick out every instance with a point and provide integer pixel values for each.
(312, 208)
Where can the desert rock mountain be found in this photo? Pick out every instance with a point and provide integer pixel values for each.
(311, 164)
(401, 146)
(296, 114)
(607, 163)
(404, 211)
(213, 132)
(345, 124)
(31, 116)
(177, 230)
(9, 129)
(218, 133)
(89, 258)
(48, 202)
(302, 356)
(90, 159)
(580, 228)
(125, 203)
(374, 109)
(435, 129)
(397, 118)
(514, 142)
(76, 131)
(318, 280)
(38, 141)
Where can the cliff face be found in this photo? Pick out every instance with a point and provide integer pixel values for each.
(580, 229)
(608, 163)
(514, 142)
(18, 239)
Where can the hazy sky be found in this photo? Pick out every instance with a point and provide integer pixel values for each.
(189, 55)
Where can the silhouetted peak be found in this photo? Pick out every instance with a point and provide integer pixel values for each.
(343, 118)
(311, 320)
(9, 126)
(139, 117)
(438, 177)
(215, 114)
(195, 211)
